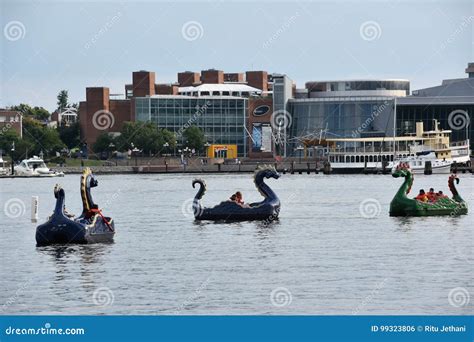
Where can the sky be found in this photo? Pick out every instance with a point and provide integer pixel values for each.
(47, 46)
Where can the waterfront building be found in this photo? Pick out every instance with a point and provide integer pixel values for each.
(232, 98)
(451, 103)
(343, 109)
(221, 118)
(266, 116)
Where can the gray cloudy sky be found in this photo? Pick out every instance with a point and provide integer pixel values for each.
(50, 45)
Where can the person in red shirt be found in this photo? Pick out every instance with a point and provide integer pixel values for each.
(441, 195)
(431, 195)
(422, 196)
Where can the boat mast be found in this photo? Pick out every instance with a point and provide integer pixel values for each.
(394, 126)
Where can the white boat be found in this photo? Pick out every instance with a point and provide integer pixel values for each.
(351, 155)
(418, 161)
(35, 167)
(3, 168)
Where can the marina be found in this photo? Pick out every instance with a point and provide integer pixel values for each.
(164, 262)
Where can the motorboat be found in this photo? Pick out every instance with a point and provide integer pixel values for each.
(3, 168)
(35, 167)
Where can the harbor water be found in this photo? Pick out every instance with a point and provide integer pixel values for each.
(334, 250)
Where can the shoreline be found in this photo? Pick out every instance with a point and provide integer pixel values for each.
(303, 168)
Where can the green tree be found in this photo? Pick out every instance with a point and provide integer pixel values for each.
(6, 139)
(70, 135)
(146, 137)
(41, 138)
(63, 99)
(194, 138)
(23, 108)
(38, 113)
(169, 138)
(103, 143)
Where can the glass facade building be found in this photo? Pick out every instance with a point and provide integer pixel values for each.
(345, 117)
(453, 113)
(222, 118)
(359, 85)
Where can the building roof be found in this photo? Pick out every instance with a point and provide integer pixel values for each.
(230, 87)
(362, 80)
(452, 87)
(193, 97)
(435, 100)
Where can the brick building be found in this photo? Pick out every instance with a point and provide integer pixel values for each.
(10, 119)
(100, 113)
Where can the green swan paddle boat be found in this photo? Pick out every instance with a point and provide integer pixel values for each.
(401, 205)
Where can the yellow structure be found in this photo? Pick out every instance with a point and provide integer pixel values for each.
(222, 151)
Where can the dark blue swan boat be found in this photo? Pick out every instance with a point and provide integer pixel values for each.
(268, 209)
(90, 227)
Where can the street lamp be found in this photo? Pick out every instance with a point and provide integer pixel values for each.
(135, 151)
(13, 151)
(165, 149)
(112, 148)
(207, 145)
(300, 148)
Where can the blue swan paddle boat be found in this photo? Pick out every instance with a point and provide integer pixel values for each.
(268, 209)
(90, 227)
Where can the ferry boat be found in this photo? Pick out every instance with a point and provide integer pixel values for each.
(352, 155)
(35, 167)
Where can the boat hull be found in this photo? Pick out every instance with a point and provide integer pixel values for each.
(462, 210)
(229, 211)
(65, 231)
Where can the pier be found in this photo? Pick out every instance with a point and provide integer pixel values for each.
(292, 166)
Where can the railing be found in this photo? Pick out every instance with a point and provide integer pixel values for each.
(460, 143)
